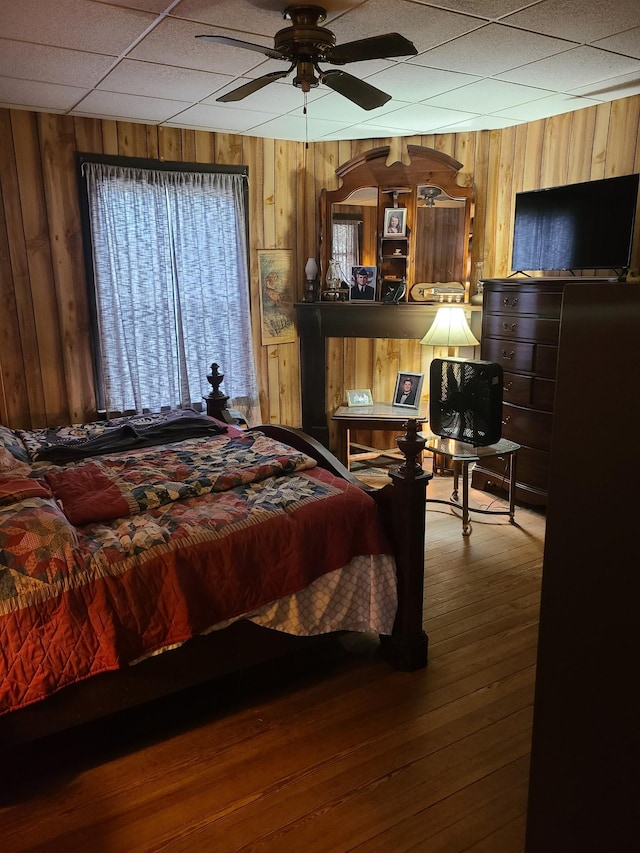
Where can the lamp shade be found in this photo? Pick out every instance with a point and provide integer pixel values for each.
(450, 329)
(311, 269)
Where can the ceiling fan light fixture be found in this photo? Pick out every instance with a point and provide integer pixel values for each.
(304, 44)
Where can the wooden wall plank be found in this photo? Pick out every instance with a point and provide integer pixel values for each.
(47, 388)
(57, 149)
(285, 181)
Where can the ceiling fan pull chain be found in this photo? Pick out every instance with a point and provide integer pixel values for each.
(306, 120)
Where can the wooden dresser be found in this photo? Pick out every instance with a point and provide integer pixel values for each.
(521, 325)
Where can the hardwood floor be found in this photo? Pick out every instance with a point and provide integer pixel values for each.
(337, 753)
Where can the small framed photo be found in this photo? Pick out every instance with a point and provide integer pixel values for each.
(363, 283)
(395, 221)
(359, 397)
(408, 390)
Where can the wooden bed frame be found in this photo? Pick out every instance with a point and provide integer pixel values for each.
(402, 507)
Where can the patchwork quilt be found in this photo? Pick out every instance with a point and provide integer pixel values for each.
(105, 561)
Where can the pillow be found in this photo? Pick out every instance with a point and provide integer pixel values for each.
(13, 444)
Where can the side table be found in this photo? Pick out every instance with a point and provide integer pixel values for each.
(461, 455)
(379, 416)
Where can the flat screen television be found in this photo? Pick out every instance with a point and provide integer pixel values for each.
(576, 227)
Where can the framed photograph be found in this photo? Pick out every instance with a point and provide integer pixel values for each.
(408, 390)
(359, 397)
(363, 283)
(395, 221)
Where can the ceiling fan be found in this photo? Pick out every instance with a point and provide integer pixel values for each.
(305, 43)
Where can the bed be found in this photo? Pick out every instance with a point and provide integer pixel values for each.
(141, 555)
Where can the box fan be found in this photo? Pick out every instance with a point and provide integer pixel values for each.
(466, 400)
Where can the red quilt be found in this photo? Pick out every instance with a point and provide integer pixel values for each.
(201, 543)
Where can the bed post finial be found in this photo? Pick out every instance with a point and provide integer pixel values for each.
(411, 444)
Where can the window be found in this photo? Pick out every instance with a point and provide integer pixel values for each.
(345, 243)
(170, 286)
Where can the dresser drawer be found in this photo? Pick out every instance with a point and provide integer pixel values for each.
(532, 467)
(527, 426)
(519, 328)
(514, 301)
(546, 358)
(528, 391)
(513, 356)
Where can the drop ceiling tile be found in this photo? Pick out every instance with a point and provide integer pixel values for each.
(160, 81)
(243, 17)
(580, 66)
(582, 22)
(499, 94)
(425, 26)
(489, 9)
(608, 90)
(627, 43)
(215, 118)
(53, 64)
(477, 123)
(156, 6)
(418, 118)
(129, 107)
(335, 107)
(545, 107)
(417, 83)
(294, 127)
(494, 48)
(29, 94)
(174, 42)
(78, 24)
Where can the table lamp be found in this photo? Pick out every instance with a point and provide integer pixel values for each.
(449, 331)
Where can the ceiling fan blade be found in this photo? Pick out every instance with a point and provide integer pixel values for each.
(252, 86)
(361, 93)
(247, 45)
(376, 47)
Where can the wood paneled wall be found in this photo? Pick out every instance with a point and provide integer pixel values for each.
(45, 362)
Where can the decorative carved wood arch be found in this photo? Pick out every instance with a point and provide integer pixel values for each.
(377, 168)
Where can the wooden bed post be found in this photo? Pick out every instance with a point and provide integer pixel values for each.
(407, 648)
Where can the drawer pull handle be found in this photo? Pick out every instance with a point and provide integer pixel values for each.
(506, 420)
(508, 355)
(510, 301)
(509, 327)
(507, 386)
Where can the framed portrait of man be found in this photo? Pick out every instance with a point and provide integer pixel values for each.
(363, 284)
(408, 390)
(395, 221)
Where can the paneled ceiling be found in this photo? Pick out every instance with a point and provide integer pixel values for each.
(481, 64)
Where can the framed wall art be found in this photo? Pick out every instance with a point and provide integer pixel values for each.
(277, 315)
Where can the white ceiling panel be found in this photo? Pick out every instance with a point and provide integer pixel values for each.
(479, 63)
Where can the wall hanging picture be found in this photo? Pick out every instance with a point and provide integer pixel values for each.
(277, 315)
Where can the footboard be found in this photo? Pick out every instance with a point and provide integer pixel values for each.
(402, 505)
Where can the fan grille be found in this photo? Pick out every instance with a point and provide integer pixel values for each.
(466, 400)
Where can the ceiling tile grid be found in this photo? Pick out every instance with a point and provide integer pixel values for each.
(480, 64)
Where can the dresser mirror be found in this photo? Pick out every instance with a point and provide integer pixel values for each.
(354, 229)
(440, 233)
(435, 248)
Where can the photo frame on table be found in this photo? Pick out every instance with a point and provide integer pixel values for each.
(408, 390)
(363, 284)
(395, 222)
(359, 397)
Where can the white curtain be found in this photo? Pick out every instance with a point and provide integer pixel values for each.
(345, 247)
(171, 287)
